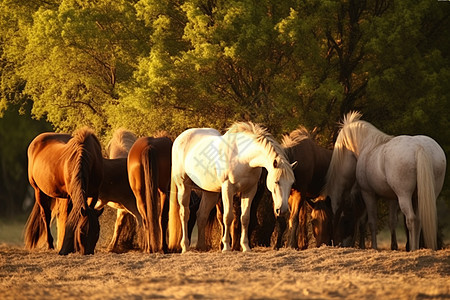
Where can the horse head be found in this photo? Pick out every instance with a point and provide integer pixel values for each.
(341, 175)
(279, 182)
(87, 232)
(85, 235)
(321, 220)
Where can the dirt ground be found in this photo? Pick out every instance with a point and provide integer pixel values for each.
(318, 273)
(315, 273)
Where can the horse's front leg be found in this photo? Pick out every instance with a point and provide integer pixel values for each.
(246, 202)
(294, 203)
(164, 218)
(227, 199)
(62, 205)
(118, 226)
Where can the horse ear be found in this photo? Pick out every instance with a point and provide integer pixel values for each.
(294, 165)
(100, 211)
(275, 164)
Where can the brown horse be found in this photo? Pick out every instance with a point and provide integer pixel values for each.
(310, 177)
(149, 163)
(116, 192)
(69, 167)
(351, 220)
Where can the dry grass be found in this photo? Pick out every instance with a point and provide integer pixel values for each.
(318, 273)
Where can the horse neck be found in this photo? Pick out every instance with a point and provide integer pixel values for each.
(362, 136)
(255, 154)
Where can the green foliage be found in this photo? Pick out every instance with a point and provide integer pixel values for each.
(16, 132)
(152, 65)
(167, 65)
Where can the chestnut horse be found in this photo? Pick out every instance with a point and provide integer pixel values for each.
(310, 178)
(149, 163)
(70, 167)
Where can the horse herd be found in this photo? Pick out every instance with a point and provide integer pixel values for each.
(167, 186)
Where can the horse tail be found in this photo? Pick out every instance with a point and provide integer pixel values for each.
(153, 232)
(34, 227)
(427, 199)
(174, 225)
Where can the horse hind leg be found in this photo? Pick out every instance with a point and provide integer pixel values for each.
(46, 215)
(36, 223)
(118, 227)
(393, 220)
(207, 203)
(184, 194)
(236, 224)
(227, 198)
(145, 223)
(371, 206)
(164, 219)
(412, 222)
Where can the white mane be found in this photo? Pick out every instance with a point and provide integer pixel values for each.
(121, 142)
(269, 144)
(295, 137)
(355, 135)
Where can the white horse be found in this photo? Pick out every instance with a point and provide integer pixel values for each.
(229, 164)
(407, 169)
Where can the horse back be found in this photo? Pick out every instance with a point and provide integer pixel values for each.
(46, 155)
(115, 186)
(162, 148)
(193, 153)
(313, 162)
(391, 168)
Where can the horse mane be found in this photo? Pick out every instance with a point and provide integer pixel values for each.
(262, 136)
(122, 141)
(162, 134)
(76, 148)
(354, 135)
(295, 137)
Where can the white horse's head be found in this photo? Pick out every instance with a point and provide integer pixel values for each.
(280, 178)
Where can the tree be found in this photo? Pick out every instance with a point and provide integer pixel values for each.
(16, 132)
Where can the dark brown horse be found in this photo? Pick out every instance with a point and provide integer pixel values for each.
(310, 177)
(149, 167)
(116, 192)
(350, 221)
(69, 167)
